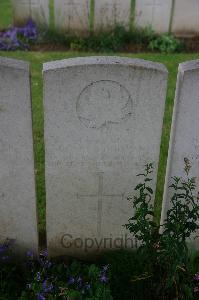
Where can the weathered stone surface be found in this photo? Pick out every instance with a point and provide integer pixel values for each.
(103, 122)
(109, 13)
(185, 18)
(18, 219)
(38, 10)
(72, 15)
(154, 13)
(184, 141)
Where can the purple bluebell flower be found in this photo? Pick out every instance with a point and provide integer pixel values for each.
(41, 296)
(79, 282)
(71, 280)
(44, 253)
(103, 274)
(38, 276)
(47, 287)
(105, 268)
(30, 254)
(46, 264)
(103, 278)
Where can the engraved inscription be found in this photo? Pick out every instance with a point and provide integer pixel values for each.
(103, 103)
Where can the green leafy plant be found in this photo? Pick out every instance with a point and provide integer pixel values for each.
(167, 256)
(115, 39)
(165, 43)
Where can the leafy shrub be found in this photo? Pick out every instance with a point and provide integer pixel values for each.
(104, 41)
(168, 261)
(165, 43)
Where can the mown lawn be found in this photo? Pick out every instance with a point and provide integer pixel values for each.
(37, 58)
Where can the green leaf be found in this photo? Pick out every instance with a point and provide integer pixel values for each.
(139, 186)
(149, 190)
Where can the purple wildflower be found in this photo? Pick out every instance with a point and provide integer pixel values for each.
(196, 277)
(45, 263)
(11, 38)
(103, 278)
(47, 287)
(79, 282)
(103, 274)
(41, 296)
(71, 280)
(105, 268)
(30, 254)
(38, 276)
(44, 253)
(29, 31)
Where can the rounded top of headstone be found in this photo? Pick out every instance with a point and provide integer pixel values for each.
(14, 63)
(104, 60)
(189, 65)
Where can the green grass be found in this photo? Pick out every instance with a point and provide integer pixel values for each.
(5, 13)
(37, 58)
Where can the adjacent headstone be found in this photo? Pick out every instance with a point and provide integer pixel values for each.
(185, 17)
(103, 122)
(154, 13)
(18, 220)
(72, 15)
(109, 13)
(184, 141)
(37, 10)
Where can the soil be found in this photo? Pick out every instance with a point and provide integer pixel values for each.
(191, 43)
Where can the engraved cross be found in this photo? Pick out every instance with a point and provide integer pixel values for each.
(100, 196)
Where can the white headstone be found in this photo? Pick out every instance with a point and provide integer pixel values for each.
(154, 13)
(38, 10)
(184, 141)
(18, 218)
(103, 122)
(109, 13)
(72, 15)
(185, 18)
